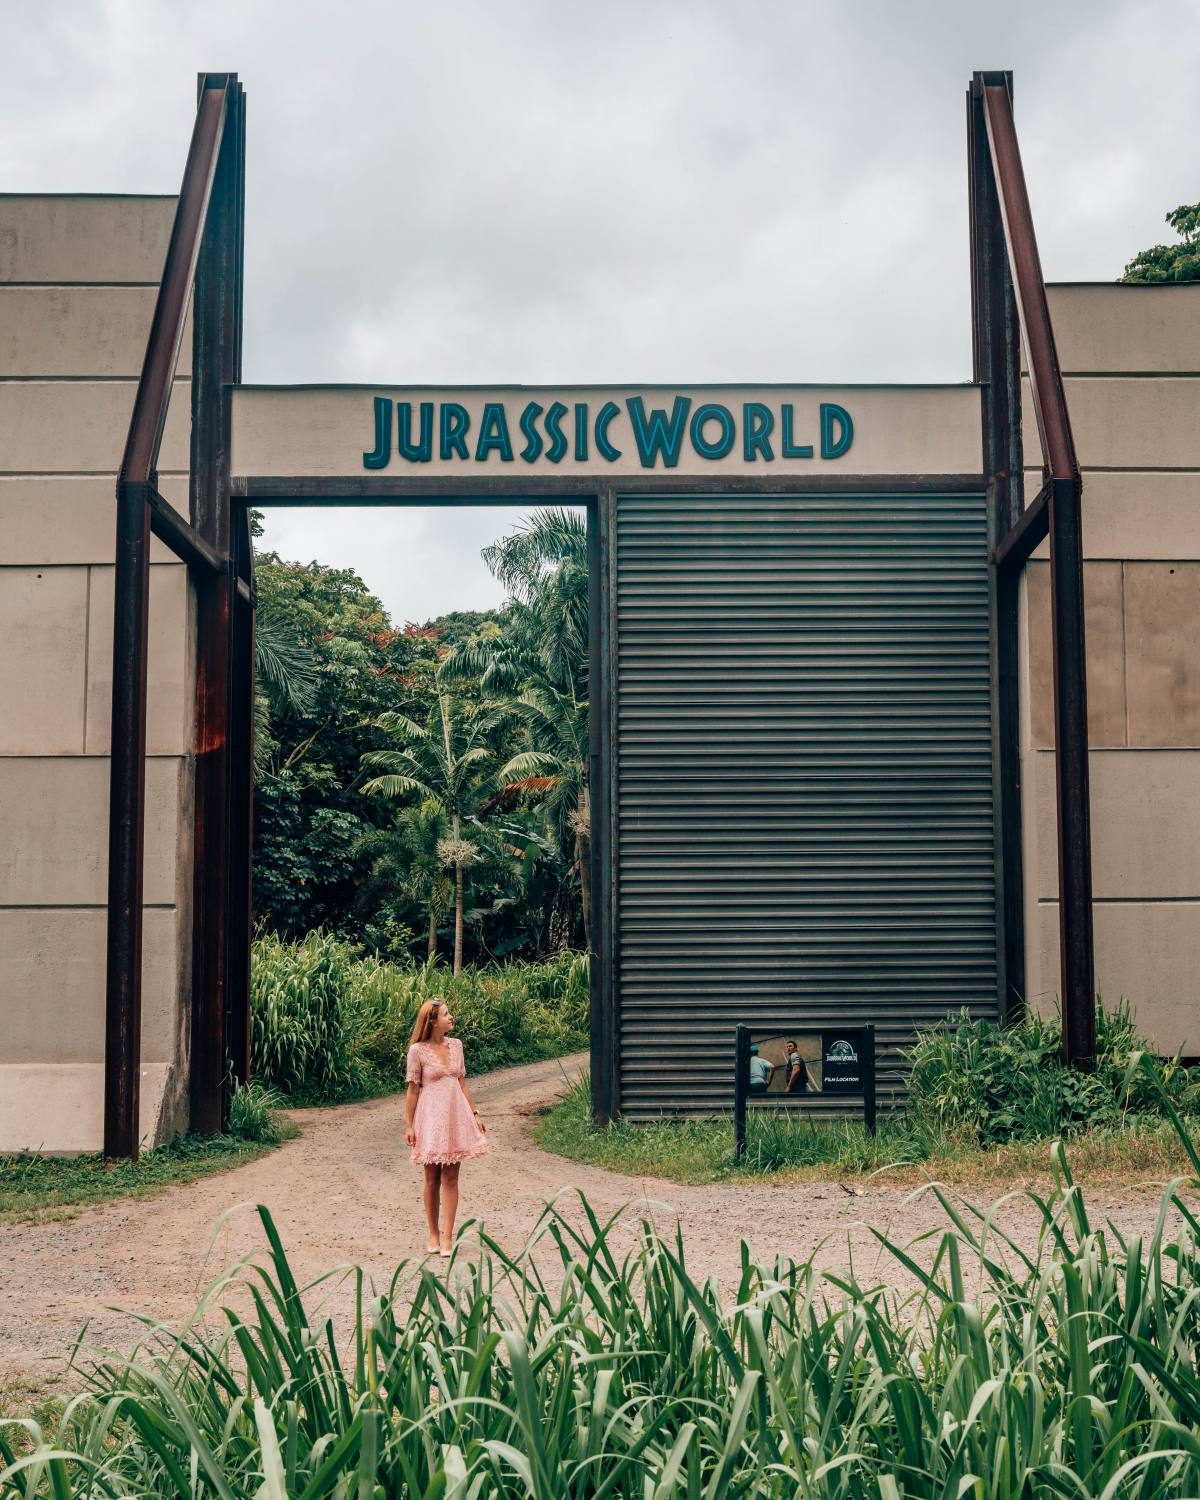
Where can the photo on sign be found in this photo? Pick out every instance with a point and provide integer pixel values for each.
(784, 1065)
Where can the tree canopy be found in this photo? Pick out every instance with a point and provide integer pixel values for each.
(1180, 262)
(424, 789)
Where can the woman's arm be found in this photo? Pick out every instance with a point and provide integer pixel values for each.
(410, 1109)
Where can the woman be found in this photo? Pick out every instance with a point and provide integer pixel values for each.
(442, 1124)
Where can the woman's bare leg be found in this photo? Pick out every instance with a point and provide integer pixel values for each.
(449, 1203)
(432, 1195)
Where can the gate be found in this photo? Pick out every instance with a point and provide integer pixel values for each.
(804, 776)
(823, 649)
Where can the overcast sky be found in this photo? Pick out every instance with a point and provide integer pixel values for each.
(508, 190)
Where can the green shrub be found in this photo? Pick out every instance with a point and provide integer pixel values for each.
(991, 1084)
(330, 1022)
(252, 1113)
(300, 1032)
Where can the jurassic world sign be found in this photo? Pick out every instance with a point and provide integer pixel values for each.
(605, 431)
(658, 434)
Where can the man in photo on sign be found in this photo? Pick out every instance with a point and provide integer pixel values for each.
(761, 1072)
(796, 1079)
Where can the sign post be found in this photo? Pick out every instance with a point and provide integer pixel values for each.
(847, 1059)
(741, 1076)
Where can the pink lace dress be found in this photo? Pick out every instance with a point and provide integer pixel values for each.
(446, 1128)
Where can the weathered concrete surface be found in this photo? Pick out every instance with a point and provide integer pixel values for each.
(78, 511)
(69, 357)
(54, 977)
(1145, 953)
(1133, 388)
(1104, 623)
(171, 673)
(80, 426)
(43, 666)
(1101, 327)
(87, 237)
(1126, 422)
(1140, 513)
(79, 331)
(54, 812)
(1162, 652)
(1145, 824)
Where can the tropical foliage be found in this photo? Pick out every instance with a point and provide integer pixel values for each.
(424, 790)
(965, 1365)
(329, 1022)
(994, 1084)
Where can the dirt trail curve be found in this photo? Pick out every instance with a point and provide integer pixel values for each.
(346, 1192)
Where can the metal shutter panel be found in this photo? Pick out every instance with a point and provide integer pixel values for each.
(804, 779)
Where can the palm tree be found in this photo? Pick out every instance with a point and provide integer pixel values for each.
(287, 675)
(544, 567)
(542, 649)
(439, 761)
(405, 856)
(556, 773)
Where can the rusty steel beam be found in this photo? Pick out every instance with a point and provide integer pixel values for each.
(215, 367)
(170, 309)
(1064, 526)
(1026, 535)
(241, 823)
(126, 825)
(996, 349)
(139, 509)
(1045, 377)
(183, 539)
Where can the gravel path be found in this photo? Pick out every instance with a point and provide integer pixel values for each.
(345, 1192)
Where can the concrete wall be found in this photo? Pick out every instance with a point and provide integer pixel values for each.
(78, 277)
(1131, 356)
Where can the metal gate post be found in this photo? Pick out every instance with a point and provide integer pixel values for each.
(241, 819)
(140, 511)
(996, 345)
(217, 365)
(1077, 959)
(127, 824)
(1056, 511)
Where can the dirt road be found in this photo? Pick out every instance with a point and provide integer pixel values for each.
(346, 1192)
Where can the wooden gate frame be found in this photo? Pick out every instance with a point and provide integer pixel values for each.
(205, 255)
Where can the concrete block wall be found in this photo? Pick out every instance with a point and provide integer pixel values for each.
(78, 277)
(1131, 357)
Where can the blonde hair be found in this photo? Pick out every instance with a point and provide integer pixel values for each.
(423, 1025)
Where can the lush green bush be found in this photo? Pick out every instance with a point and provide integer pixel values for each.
(253, 1114)
(992, 1084)
(328, 1022)
(300, 1019)
(1070, 1371)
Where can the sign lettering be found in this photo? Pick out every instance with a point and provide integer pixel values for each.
(504, 433)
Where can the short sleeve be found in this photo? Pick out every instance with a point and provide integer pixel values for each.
(462, 1058)
(413, 1074)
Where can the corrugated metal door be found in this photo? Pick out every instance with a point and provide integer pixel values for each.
(804, 778)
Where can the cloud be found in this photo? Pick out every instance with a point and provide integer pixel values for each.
(541, 192)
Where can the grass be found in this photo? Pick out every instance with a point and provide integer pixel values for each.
(984, 1102)
(331, 1024)
(36, 1188)
(592, 1363)
(701, 1151)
